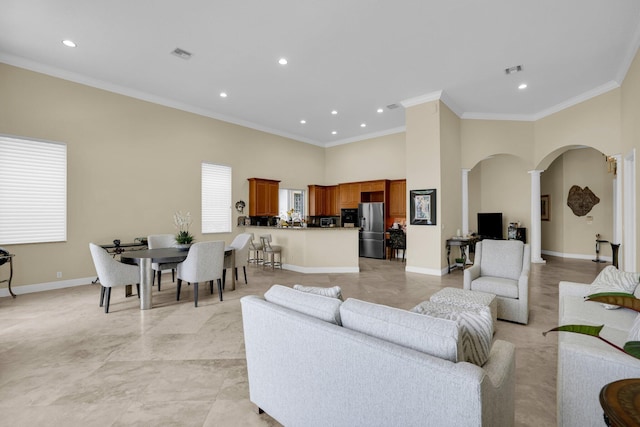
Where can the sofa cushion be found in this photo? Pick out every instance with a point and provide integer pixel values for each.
(434, 336)
(476, 327)
(502, 258)
(318, 306)
(575, 310)
(611, 279)
(496, 285)
(333, 292)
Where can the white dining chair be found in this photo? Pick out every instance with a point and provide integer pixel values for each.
(240, 246)
(204, 263)
(112, 273)
(157, 241)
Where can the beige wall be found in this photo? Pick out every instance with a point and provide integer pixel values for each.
(501, 184)
(566, 232)
(371, 159)
(484, 138)
(132, 164)
(450, 194)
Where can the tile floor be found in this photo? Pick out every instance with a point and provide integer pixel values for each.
(63, 362)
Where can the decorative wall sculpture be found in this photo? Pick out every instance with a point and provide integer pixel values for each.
(581, 201)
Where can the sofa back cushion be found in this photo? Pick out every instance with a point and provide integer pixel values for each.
(501, 258)
(437, 337)
(318, 306)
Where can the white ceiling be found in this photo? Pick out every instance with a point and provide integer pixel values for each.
(353, 56)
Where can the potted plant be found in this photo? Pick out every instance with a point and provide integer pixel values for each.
(184, 239)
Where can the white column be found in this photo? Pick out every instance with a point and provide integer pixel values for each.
(536, 233)
(465, 202)
(617, 202)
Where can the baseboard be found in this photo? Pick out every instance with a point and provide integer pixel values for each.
(320, 270)
(427, 271)
(576, 256)
(48, 286)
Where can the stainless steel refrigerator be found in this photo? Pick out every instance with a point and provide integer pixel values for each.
(371, 222)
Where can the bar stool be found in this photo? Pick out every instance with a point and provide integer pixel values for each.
(255, 249)
(269, 252)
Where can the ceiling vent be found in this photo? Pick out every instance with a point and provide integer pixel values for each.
(392, 106)
(513, 70)
(181, 53)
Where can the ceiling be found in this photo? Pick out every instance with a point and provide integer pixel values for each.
(351, 56)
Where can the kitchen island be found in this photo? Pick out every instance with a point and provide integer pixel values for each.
(314, 250)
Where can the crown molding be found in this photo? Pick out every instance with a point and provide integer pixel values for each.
(367, 136)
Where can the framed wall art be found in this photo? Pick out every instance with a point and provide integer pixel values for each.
(545, 207)
(423, 207)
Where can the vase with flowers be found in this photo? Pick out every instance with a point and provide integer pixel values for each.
(181, 221)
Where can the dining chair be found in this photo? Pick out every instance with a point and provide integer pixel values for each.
(112, 273)
(157, 241)
(204, 263)
(255, 250)
(270, 251)
(240, 246)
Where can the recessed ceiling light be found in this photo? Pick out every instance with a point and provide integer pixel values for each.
(283, 61)
(334, 132)
(181, 53)
(223, 94)
(522, 86)
(334, 112)
(69, 43)
(380, 110)
(303, 121)
(363, 125)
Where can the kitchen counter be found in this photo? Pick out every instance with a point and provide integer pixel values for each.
(314, 249)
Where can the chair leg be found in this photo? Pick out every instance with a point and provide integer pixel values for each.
(173, 274)
(159, 279)
(224, 276)
(178, 291)
(195, 293)
(244, 268)
(220, 288)
(211, 286)
(102, 288)
(108, 295)
(138, 289)
(236, 270)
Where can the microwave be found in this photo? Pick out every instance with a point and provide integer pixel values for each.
(325, 222)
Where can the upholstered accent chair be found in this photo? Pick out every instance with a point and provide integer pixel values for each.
(501, 267)
(204, 263)
(112, 273)
(255, 250)
(270, 251)
(157, 241)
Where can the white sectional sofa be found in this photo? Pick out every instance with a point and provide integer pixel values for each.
(586, 364)
(312, 361)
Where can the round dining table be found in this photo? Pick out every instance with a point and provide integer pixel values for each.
(144, 259)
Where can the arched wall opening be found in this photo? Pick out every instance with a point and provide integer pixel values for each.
(500, 183)
(564, 233)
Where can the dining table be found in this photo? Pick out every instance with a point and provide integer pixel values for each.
(144, 258)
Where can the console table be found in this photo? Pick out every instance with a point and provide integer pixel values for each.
(462, 244)
(7, 257)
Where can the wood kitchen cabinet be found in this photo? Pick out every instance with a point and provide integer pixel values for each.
(349, 195)
(323, 200)
(398, 198)
(332, 201)
(263, 197)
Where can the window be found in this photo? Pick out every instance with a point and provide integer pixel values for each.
(216, 198)
(33, 191)
(291, 199)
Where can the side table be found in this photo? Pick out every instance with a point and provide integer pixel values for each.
(620, 401)
(462, 244)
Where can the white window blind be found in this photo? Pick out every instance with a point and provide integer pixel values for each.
(216, 198)
(33, 191)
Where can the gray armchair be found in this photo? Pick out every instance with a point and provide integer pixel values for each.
(156, 241)
(501, 267)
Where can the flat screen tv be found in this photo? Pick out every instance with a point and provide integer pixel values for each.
(490, 225)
